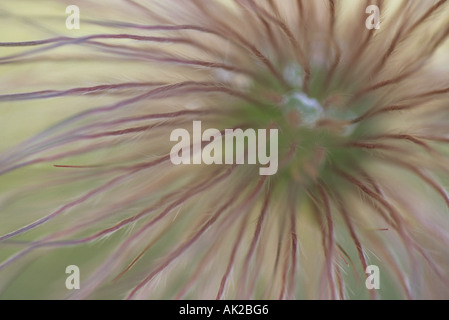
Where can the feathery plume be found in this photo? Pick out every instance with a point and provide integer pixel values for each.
(86, 170)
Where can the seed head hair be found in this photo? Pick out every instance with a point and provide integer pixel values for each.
(86, 176)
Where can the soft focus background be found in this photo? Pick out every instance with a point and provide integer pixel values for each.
(78, 66)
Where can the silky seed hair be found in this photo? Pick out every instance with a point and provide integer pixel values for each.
(85, 171)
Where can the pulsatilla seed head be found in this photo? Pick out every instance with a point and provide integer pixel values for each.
(85, 171)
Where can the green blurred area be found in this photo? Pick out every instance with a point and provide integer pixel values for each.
(43, 275)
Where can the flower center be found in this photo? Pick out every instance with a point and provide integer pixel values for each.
(309, 109)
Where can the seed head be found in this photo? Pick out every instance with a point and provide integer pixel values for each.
(86, 176)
